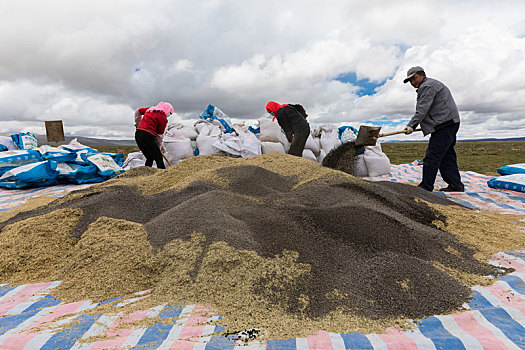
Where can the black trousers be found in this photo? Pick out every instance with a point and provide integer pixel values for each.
(148, 146)
(300, 135)
(440, 155)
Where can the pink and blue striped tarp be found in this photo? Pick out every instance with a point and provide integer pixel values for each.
(477, 193)
(494, 318)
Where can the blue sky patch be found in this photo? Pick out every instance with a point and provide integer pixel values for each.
(366, 87)
(384, 121)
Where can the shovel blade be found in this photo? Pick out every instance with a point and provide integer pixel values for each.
(367, 135)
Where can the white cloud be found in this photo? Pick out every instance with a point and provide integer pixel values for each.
(92, 63)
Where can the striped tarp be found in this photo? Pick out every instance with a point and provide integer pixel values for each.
(10, 198)
(477, 193)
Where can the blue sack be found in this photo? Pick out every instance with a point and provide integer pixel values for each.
(213, 113)
(25, 140)
(342, 129)
(512, 169)
(107, 167)
(13, 159)
(515, 182)
(117, 157)
(13, 185)
(79, 153)
(56, 154)
(32, 173)
(6, 144)
(72, 172)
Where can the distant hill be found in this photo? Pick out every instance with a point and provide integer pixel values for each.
(88, 141)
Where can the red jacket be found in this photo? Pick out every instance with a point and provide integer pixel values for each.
(153, 122)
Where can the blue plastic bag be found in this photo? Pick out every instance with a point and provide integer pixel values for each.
(56, 154)
(25, 140)
(32, 173)
(72, 172)
(107, 167)
(512, 169)
(515, 182)
(213, 113)
(13, 159)
(117, 157)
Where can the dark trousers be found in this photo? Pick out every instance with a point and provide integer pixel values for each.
(441, 156)
(148, 146)
(300, 135)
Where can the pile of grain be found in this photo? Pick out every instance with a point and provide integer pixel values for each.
(274, 242)
(342, 158)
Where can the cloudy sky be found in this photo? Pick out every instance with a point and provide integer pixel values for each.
(92, 63)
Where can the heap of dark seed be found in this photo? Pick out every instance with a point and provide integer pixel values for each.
(372, 250)
(342, 158)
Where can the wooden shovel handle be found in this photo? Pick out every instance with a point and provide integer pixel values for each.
(166, 158)
(395, 132)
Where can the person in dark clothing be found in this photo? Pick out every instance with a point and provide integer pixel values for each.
(437, 114)
(294, 125)
(149, 131)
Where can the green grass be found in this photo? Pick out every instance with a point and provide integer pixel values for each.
(481, 157)
(118, 149)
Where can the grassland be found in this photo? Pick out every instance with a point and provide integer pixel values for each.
(481, 157)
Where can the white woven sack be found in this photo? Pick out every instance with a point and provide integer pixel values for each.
(321, 156)
(271, 131)
(329, 138)
(134, 160)
(311, 145)
(177, 148)
(376, 161)
(250, 145)
(272, 147)
(309, 154)
(360, 169)
(207, 137)
(199, 124)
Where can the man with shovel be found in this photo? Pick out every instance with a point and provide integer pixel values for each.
(437, 114)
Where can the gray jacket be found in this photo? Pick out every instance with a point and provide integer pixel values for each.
(435, 106)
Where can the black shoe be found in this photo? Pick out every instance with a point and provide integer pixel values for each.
(451, 189)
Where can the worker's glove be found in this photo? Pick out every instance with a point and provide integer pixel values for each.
(409, 130)
(138, 117)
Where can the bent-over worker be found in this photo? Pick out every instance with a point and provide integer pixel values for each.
(437, 114)
(150, 131)
(294, 124)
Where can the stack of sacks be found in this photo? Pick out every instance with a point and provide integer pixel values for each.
(273, 139)
(32, 166)
(177, 142)
(513, 178)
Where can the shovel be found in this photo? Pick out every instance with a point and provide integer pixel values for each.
(368, 135)
(166, 158)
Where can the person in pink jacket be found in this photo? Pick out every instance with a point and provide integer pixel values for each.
(152, 123)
